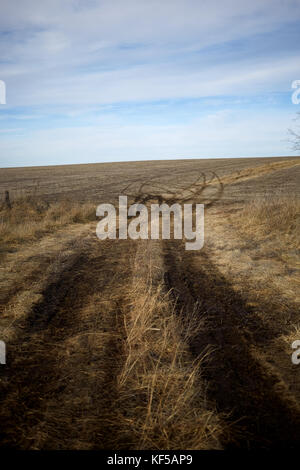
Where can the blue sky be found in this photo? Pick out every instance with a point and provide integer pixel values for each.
(94, 81)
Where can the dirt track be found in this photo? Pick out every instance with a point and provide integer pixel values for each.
(59, 385)
(60, 381)
(67, 347)
(236, 381)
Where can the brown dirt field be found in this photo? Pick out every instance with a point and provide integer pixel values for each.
(105, 181)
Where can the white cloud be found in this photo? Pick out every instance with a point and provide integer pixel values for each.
(77, 55)
(85, 52)
(226, 133)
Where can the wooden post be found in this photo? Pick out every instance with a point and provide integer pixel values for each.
(7, 200)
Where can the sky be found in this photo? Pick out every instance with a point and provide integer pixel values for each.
(122, 80)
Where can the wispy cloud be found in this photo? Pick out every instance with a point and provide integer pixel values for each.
(100, 69)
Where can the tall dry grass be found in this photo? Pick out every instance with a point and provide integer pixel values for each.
(272, 217)
(31, 217)
(161, 396)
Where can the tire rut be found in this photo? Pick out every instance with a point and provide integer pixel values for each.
(58, 386)
(259, 416)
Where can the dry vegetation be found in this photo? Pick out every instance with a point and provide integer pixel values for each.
(160, 384)
(139, 344)
(273, 217)
(30, 217)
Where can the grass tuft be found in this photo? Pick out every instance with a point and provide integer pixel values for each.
(31, 217)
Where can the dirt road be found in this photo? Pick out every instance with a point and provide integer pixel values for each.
(64, 304)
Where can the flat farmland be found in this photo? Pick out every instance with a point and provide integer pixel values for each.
(141, 344)
(103, 181)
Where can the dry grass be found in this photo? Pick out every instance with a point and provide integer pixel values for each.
(160, 384)
(117, 356)
(266, 253)
(260, 258)
(101, 355)
(31, 217)
(293, 335)
(272, 216)
(270, 227)
(260, 170)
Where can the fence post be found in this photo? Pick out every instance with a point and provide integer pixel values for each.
(7, 200)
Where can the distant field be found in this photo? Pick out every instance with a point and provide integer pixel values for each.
(97, 182)
(123, 344)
